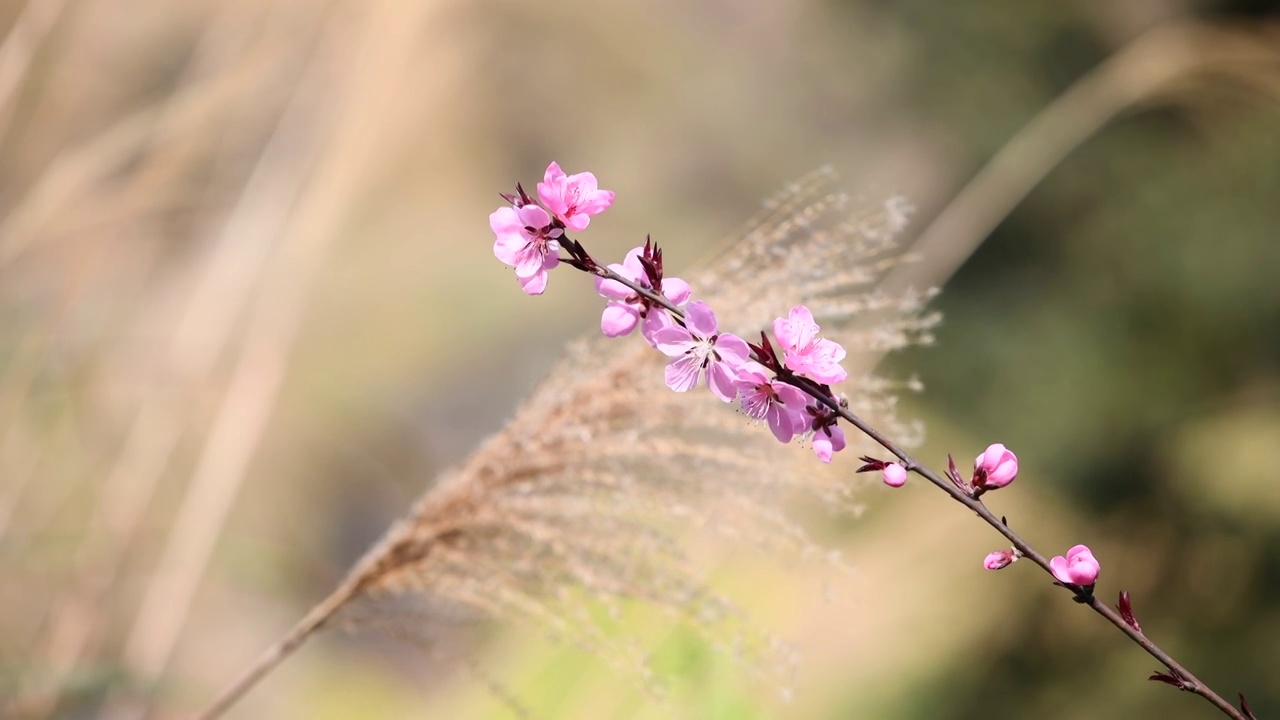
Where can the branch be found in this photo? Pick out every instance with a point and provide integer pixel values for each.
(1178, 675)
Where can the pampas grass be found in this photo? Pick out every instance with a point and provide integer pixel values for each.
(580, 502)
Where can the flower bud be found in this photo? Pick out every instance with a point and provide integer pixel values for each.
(1078, 568)
(998, 559)
(994, 468)
(895, 475)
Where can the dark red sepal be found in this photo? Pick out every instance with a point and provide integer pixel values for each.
(1170, 678)
(1125, 607)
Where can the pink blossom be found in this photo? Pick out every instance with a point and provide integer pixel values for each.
(657, 319)
(998, 559)
(827, 441)
(895, 475)
(994, 468)
(806, 353)
(697, 348)
(526, 241)
(777, 403)
(1077, 568)
(626, 307)
(573, 198)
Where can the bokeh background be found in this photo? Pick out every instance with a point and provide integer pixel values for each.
(248, 309)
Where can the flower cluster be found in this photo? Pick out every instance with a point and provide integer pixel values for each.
(529, 237)
(783, 382)
(528, 234)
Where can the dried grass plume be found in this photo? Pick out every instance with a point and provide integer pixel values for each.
(581, 500)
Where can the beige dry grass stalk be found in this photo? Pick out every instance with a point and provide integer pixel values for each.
(1173, 64)
(581, 500)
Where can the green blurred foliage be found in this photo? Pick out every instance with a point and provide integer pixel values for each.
(1121, 328)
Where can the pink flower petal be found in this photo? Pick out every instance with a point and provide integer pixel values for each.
(529, 262)
(618, 319)
(676, 290)
(752, 373)
(584, 182)
(720, 379)
(553, 173)
(822, 447)
(507, 248)
(837, 439)
(828, 441)
(673, 341)
(997, 560)
(792, 397)
(1000, 465)
(504, 221)
(796, 330)
(894, 475)
(597, 202)
(535, 284)
(732, 349)
(576, 222)
(573, 198)
(632, 262)
(682, 373)
(1058, 565)
(822, 363)
(533, 216)
(656, 320)
(700, 319)
(613, 289)
(780, 422)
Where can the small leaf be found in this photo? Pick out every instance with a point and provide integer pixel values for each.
(1125, 607)
(1169, 678)
(1244, 707)
(872, 464)
(954, 473)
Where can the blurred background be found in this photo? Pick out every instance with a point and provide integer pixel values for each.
(248, 309)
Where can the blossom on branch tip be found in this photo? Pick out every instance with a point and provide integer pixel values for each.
(806, 353)
(626, 307)
(698, 349)
(998, 559)
(527, 241)
(573, 198)
(895, 475)
(777, 403)
(994, 468)
(1078, 568)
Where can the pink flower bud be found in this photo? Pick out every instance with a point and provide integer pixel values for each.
(1077, 568)
(994, 468)
(998, 559)
(895, 475)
